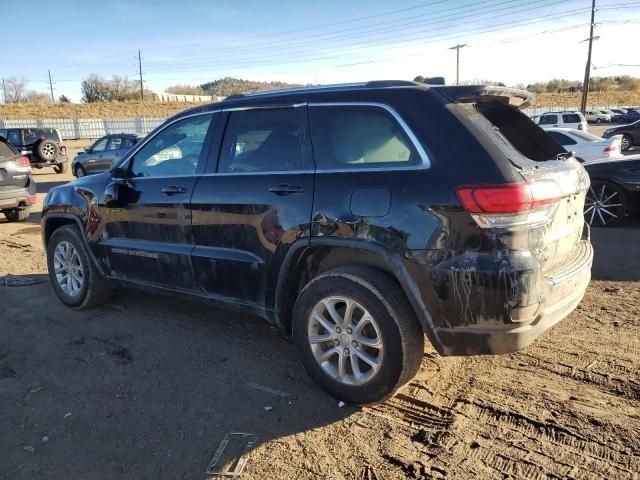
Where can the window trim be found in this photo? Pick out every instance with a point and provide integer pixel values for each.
(138, 146)
(424, 158)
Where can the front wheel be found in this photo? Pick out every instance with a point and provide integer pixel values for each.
(605, 205)
(75, 278)
(356, 334)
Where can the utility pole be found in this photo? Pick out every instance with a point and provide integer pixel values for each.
(4, 89)
(140, 68)
(587, 70)
(53, 100)
(457, 49)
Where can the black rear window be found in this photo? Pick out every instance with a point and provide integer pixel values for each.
(571, 118)
(520, 131)
(32, 135)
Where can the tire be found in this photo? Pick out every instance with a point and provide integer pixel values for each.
(598, 121)
(605, 205)
(393, 323)
(627, 143)
(17, 214)
(61, 167)
(94, 289)
(80, 172)
(47, 150)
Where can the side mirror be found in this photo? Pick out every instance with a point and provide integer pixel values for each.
(119, 172)
(111, 195)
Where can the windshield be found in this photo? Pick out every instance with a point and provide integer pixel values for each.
(32, 135)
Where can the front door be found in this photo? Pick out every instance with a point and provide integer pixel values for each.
(147, 235)
(94, 156)
(257, 202)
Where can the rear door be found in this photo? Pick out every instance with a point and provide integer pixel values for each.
(95, 156)
(147, 235)
(254, 204)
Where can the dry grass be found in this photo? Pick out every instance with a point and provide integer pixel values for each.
(166, 109)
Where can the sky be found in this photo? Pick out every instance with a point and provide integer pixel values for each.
(310, 42)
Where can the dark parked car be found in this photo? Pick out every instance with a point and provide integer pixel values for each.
(614, 192)
(631, 115)
(42, 146)
(630, 134)
(103, 154)
(356, 217)
(17, 188)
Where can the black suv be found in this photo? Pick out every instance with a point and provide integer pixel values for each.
(17, 188)
(356, 217)
(42, 146)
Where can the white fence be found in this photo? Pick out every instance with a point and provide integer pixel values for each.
(88, 127)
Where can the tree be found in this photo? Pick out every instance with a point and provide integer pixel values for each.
(64, 99)
(16, 89)
(185, 90)
(37, 97)
(96, 89)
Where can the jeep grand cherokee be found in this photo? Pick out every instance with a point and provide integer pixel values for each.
(356, 217)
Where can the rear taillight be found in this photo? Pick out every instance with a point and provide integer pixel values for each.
(510, 204)
(580, 126)
(610, 149)
(63, 149)
(22, 162)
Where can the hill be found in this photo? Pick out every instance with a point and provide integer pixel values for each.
(227, 86)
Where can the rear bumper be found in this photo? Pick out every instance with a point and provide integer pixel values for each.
(19, 198)
(559, 293)
(37, 162)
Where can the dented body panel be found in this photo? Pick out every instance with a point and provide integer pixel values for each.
(234, 240)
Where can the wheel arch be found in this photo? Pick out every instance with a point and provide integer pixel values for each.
(51, 222)
(305, 260)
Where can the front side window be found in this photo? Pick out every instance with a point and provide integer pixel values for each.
(264, 140)
(358, 136)
(174, 151)
(100, 145)
(114, 143)
(548, 120)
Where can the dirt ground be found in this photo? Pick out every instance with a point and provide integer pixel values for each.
(147, 387)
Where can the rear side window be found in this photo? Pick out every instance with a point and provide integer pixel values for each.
(571, 118)
(548, 120)
(115, 143)
(562, 139)
(519, 131)
(352, 137)
(265, 140)
(6, 151)
(13, 137)
(32, 135)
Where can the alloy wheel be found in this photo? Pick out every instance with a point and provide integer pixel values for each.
(345, 340)
(626, 143)
(603, 205)
(68, 268)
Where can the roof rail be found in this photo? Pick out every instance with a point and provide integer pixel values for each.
(336, 86)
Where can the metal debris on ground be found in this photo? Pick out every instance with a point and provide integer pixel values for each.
(45, 439)
(341, 404)
(29, 449)
(67, 415)
(264, 388)
(232, 453)
(268, 408)
(19, 281)
(591, 365)
(37, 389)
(612, 289)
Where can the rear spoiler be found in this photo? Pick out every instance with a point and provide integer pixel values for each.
(486, 93)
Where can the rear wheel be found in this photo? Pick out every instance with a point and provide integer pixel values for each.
(80, 171)
(356, 334)
(73, 275)
(605, 205)
(627, 142)
(61, 167)
(17, 214)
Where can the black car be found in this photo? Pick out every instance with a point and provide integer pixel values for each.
(356, 217)
(17, 187)
(614, 191)
(630, 134)
(103, 154)
(42, 146)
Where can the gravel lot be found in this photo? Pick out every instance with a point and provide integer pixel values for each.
(147, 387)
